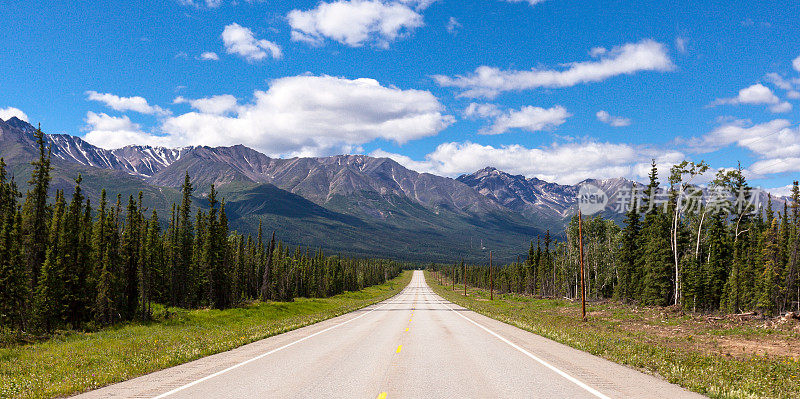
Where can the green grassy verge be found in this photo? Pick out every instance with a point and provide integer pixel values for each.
(687, 350)
(79, 362)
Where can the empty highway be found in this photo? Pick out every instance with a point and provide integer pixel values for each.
(414, 345)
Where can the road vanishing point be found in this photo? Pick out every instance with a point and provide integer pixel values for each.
(413, 345)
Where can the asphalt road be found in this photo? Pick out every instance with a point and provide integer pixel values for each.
(414, 345)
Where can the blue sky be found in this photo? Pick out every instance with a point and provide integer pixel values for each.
(558, 89)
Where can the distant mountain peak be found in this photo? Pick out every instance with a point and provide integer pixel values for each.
(20, 124)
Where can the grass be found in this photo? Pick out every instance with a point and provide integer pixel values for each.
(77, 362)
(720, 359)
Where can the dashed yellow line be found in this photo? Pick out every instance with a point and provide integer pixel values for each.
(398, 348)
(382, 395)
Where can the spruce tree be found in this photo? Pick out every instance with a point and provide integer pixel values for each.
(181, 277)
(13, 282)
(630, 254)
(48, 298)
(36, 212)
(657, 284)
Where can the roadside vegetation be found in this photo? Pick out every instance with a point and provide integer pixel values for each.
(721, 357)
(73, 362)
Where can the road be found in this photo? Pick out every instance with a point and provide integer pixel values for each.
(414, 345)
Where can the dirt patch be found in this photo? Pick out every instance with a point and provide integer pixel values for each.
(736, 338)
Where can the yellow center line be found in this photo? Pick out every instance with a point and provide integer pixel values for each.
(382, 395)
(398, 348)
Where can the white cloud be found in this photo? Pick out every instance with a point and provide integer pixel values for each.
(564, 163)
(216, 105)
(757, 94)
(111, 132)
(796, 64)
(530, 118)
(615, 121)
(199, 3)
(123, 104)
(418, 4)
(597, 51)
(241, 41)
(9, 112)
(309, 116)
(778, 165)
(481, 110)
(776, 143)
(780, 107)
(784, 191)
(531, 2)
(209, 56)
(355, 22)
(646, 55)
(779, 81)
(453, 26)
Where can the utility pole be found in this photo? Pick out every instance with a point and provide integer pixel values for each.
(583, 286)
(491, 278)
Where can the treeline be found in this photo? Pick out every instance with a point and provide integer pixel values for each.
(67, 264)
(678, 245)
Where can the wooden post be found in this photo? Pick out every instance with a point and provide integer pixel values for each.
(491, 278)
(465, 277)
(453, 277)
(583, 286)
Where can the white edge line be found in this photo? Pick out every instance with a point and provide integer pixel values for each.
(235, 366)
(530, 355)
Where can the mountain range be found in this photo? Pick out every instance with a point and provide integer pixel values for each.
(352, 204)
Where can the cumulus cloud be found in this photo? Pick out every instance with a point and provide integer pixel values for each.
(241, 41)
(355, 22)
(9, 112)
(209, 56)
(776, 143)
(796, 64)
(215, 105)
(562, 163)
(754, 95)
(530, 118)
(123, 104)
(309, 116)
(646, 55)
(773, 139)
(615, 121)
(111, 132)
